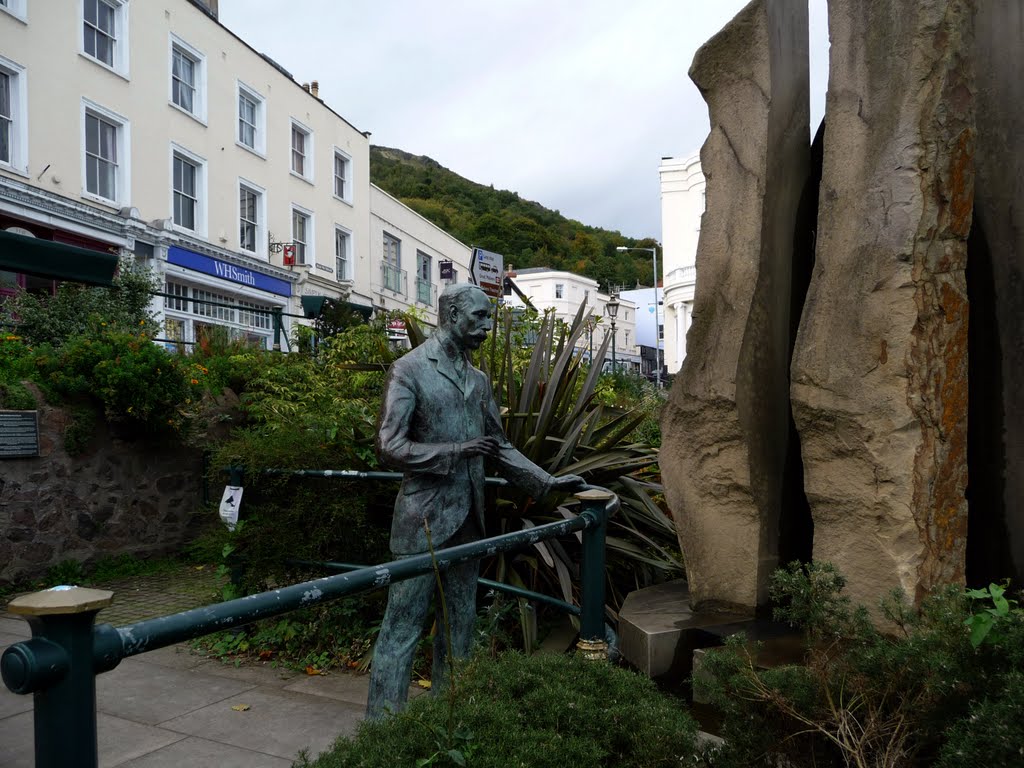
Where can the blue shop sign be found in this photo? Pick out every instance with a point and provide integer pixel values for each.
(226, 271)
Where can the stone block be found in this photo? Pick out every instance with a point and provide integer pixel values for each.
(658, 631)
(879, 373)
(726, 425)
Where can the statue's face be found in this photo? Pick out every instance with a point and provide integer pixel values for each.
(471, 320)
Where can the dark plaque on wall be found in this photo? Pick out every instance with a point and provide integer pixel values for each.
(19, 434)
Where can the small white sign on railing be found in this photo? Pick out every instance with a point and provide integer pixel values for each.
(229, 504)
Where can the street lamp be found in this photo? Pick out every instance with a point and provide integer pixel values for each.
(657, 322)
(612, 308)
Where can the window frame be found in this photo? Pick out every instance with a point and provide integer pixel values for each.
(260, 225)
(308, 162)
(198, 59)
(16, 8)
(200, 165)
(122, 175)
(259, 126)
(559, 290)
(342, 264)
(346, 158)
(17, 79)
(308, 250)
(119, 59)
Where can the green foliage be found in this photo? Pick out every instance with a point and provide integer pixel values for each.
(992, 734)
(311, 640)
(863, 697)
(76, 309)
(140, 388)
(553, 416)
(15, 397)
(311, 413)
(992, 606)
(543, 711)
(525, 232)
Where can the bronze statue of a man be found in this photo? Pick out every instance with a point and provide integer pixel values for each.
(438, 424)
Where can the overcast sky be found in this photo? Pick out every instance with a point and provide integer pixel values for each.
(571, 103)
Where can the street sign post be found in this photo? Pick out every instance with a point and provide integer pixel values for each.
(486, 270)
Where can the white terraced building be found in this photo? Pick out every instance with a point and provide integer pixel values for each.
(563, 292)
(682, 207)
(150, 128)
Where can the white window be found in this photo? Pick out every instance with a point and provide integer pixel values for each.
(188, 190)
(105, 33)
(177, 298)
(252, 120)
(302, 235)
(252, 206)
(188, 78)
(13, 117)
(302, 151)
(342, 176)
(14, 7)
(392, 251)
(559, 290)
(105, 157)
(342, 246)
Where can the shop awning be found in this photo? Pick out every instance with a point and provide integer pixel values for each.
(57, 261)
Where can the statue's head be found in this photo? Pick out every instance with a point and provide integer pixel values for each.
(464, 312)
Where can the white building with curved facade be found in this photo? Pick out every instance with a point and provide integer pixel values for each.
(682, 205)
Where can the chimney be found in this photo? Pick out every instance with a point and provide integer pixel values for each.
(305, 87)
(314, 88)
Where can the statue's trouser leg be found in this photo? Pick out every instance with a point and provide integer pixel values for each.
(408, 603)
(459, 585)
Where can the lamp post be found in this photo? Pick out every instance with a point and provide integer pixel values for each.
(657, 322)
(612, 308)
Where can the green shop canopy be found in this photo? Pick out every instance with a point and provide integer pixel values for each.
(57, 261)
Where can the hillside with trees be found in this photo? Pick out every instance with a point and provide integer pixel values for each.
(526, 233)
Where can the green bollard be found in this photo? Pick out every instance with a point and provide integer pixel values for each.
(57, 663)
(592, 642)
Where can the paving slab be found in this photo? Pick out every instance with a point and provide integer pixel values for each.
(173, 656)
(121, 740)
(12, 626)
(12, 704)
(192, 751)
(8, 639)
(257, 674)
(132, 690)
(278, 723)
(342, 687)
(16, 738)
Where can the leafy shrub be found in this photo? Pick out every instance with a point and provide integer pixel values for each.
(992, 734)
(76, 309)
(864, 697)
(555, 417)
(136, 384)
(543, 711)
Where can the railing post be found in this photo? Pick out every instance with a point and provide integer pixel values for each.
(61, 653)
(592, 642)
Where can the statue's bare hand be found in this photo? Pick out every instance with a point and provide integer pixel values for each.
(480, 446)
(568, 484)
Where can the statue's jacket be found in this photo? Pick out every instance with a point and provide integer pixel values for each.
(428, 410)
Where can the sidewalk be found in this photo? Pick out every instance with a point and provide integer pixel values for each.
(172, 708)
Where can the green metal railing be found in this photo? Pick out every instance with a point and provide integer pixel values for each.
(67, 650)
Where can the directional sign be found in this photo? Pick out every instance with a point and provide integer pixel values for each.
(486, 270)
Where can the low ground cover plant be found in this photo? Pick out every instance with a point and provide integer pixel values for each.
(541, 711)
(919, 694)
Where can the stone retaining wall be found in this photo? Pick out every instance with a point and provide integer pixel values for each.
(118, 497)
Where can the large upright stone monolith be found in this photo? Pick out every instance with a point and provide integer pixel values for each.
(726, 423)
(880, 368)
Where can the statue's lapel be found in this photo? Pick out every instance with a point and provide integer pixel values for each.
(445, 366)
